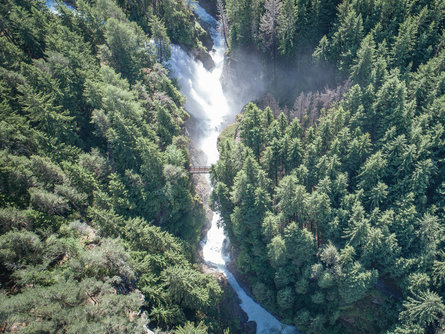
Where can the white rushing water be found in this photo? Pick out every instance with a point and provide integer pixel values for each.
(209, 107)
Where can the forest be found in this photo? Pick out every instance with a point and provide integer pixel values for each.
(333, 197)
(335, 204)
(99, 218)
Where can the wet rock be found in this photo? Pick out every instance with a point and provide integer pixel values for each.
(250, 327)
(69, 3)
(201, 55)
(231, 311)
(209, 6)
(205, 37)
(205, 59)
(243, 75)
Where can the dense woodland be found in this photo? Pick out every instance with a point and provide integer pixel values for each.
(98, 217)
(336, 217)
(335, 207)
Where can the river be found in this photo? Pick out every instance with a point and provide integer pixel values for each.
(211, 111)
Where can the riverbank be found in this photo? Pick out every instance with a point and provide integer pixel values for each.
(231, 313)
(210, 7)
(211, 109)
(244, 280)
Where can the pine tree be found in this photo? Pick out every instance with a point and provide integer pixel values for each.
(161, 39)
(425, 307)
(286, 26)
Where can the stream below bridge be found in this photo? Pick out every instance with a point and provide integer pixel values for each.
(211, 111)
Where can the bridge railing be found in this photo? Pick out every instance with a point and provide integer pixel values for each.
(199, 169)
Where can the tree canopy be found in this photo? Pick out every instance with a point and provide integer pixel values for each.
(335, 210)
(99, 218)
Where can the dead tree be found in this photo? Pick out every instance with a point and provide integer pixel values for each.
(223, 20)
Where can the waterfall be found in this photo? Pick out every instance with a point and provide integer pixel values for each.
(207, 104)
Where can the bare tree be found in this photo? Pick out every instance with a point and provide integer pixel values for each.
(223, 20)
(268, 28)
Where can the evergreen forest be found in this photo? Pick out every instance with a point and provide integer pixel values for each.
(332, 196)
(98, 216)
(335, 204)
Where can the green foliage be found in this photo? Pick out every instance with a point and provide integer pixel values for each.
(328, 216)
(161, 39)
(286, 27)
(190, 328)
(351, 218)
(125, 49)
(93, 180)
(86, 306)
(425, 308)
(239, 14)
(279, 26)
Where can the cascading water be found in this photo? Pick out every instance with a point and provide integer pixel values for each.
(209, 107)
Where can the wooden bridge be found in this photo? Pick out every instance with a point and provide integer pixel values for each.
(199, 170)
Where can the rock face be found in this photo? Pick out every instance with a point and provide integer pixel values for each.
(250, 327)
(205, 37)
(201, 52)
(201, 55)
(204, 58)
(231, 311)
(209, 6)
(243, 76)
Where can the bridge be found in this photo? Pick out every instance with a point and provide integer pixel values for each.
(199, 170)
